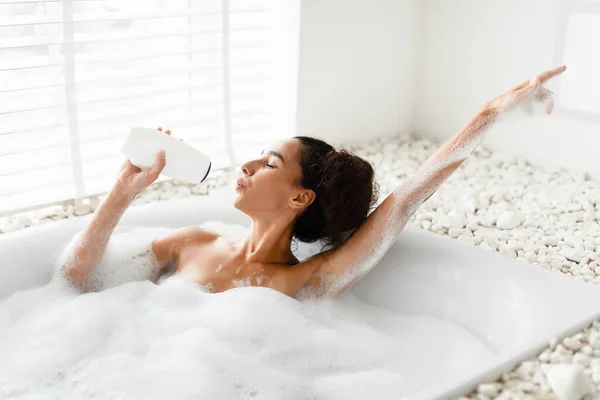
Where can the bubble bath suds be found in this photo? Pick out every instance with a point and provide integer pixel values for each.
(173, 340)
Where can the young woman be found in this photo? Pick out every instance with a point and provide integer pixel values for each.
(298, 188)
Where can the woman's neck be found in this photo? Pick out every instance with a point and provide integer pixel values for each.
(269, 242)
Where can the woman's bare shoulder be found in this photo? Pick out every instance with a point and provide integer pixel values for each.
(170, 245)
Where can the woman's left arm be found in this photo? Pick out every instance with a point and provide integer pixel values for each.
(340, 268)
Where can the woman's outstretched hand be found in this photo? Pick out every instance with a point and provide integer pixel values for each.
(527, 94)
(133, 180)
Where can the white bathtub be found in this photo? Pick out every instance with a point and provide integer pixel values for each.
(512, 307)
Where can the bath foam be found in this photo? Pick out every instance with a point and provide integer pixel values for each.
(128, 257)
(173, 340)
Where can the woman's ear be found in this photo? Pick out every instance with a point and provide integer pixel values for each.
(303, 199)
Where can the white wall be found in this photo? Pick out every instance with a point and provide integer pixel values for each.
(471, 51)
(357, 68)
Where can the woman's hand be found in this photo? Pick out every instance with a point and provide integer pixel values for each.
(133, 180)
(526, 95)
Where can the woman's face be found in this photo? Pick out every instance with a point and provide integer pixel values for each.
(270, 182)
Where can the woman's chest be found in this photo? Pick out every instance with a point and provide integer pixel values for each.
(217, 271)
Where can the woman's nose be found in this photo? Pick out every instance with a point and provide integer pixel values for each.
(249, 167)
(245, 169)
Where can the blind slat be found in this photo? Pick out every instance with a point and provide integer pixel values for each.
(132, 97)
(56, 40)
(114, 17)
(101, 59)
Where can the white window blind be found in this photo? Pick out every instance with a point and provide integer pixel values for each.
(577, 47)
(75, 75)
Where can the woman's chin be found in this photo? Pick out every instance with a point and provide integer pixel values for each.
(236, 202)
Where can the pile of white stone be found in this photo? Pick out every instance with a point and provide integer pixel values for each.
(547, 218)
(500, 203)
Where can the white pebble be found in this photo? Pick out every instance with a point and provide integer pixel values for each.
(83, 209)
(514, 245)
(581, 359)
(585, 270)
(166, 195)
(455, 232)
(489, 389)
(571, 254)
(568, 381)
(527, 369)
(184, 191)
(531, 257)
(486, 221)
(201, 189)
(509, 253)
(465, 239)
(526, 386)
(508, 220)
(587, 350)
(594, 340)
(545, 355)
(486, 246)
(565, 359)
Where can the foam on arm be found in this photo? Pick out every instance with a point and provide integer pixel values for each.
(342, 267)
(128, 256)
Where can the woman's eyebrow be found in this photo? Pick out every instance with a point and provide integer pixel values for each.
(274, 153)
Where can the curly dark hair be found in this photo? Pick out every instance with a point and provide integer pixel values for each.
(345, 192)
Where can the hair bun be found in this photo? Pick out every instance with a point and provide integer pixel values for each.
(345, 192)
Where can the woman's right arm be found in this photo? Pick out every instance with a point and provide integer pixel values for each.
(91, 242)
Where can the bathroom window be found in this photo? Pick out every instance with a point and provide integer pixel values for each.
(75, 75)
(579, 31)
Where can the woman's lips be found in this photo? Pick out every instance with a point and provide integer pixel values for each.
(240, 184)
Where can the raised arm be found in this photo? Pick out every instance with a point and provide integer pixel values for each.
(88, 246)
(339, 269)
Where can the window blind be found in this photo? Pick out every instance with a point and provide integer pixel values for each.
(75, 75)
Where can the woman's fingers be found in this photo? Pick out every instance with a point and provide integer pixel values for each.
(154, 172)
(547, 98)
(545, 76)
(549, 105)
(540, 79)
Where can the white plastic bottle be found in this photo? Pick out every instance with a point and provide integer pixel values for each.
(183, 162)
